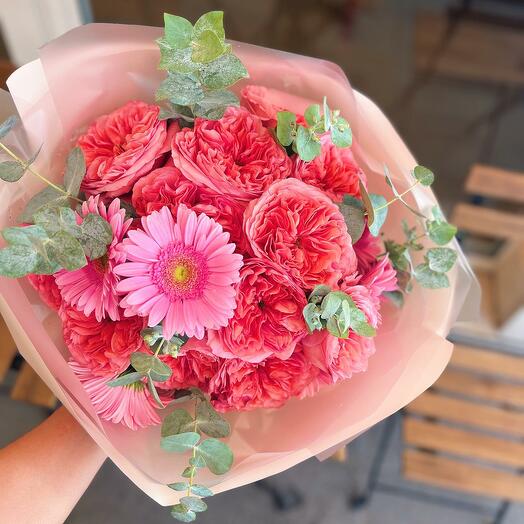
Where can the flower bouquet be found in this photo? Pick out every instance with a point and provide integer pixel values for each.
(236, 276)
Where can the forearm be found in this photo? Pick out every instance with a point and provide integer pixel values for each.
(45, 472)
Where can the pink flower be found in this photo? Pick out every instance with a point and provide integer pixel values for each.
(334, 171)
(103, 347)
(193, 367)
(121, 147)
(300, 229)
(380, 277)
(181, 274)
(47, 289)
(92, 288)
(241, 385)
(167, 186)
(255, 99)
(268, 318)
(367, 249)
(235, 156)
(130, 405)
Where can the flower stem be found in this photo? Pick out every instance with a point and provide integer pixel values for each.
(38, 175)
(193, 468)
(383, 206)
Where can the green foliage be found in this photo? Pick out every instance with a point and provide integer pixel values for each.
(440, 231)
(380, 212)
(424, 175)
(14, 170)
(305, 140)
(426, 277)
(150, 366)
(182, 432)
(441, 259)
(200, 66)
(182, 513)
(49, 197)
(7, 125)
(154, 339)
(126, 379)
(75, 171)
(337, 312)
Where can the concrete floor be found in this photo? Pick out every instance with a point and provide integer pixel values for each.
(377, 55)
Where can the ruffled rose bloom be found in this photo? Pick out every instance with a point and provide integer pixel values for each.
(193, 367)
(300, 229)
(334, 171)
(367, 248)
(122, 146)
(268, 318)
(103, 347)
(167, 186)
(380, 277)
(47, 289)
(241, 385)
(235, 156)
(255, 99)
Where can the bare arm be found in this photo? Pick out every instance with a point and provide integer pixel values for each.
(45, 472)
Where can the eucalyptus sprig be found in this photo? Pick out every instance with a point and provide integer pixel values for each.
(305, 140)
(200, 67)
(184, 433)
(337, 312)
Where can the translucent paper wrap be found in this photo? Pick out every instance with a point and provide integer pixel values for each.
(96, 68)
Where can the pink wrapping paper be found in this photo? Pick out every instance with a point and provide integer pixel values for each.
(92, 70)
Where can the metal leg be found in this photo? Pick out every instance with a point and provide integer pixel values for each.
(501, 512)
(360, 500)
(283, 499)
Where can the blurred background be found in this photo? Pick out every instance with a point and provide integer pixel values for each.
(450, 76)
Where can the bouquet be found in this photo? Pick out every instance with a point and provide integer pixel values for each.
(215, 260)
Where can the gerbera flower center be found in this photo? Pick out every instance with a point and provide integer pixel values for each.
(181, 272)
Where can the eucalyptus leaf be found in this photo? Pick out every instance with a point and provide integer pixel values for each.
(441, 259)
(397, 297)
(194, 504)
(312, 114)
(211, 21)
(182, 513)
(380, 212)
(75, 171)
(175, 60)
(181, 442)
(96, 234)
(201, 491)
(179, 486)
(125, 380)
(223, 72)
(179, 88)
(311, 314)
(154, 392)
(32, 236)
(428, 278)
(207, 46)
(48, 197)
(318, 293)
(17, 260)
(217, 455)
(213, 105)
(286, 127)
(197, 462)
(148, 364)
(308, 145)
(177, 30)
(210, 422)
(66, 250)
(360, 325)
(424, 175)
(189, 472)
(178, 421)
(11, 171)
(352, 210)
(7, 125)
(341, 134)
(366, 201)
(330, 305)
(54, 219)
(440, 232)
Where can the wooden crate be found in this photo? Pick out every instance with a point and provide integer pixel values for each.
(467, 432)
(500, 273)
(28, 386)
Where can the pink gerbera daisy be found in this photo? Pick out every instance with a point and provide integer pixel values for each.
(130, 405)
(92, 288)
(181, 274)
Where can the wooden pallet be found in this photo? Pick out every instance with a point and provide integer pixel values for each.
(467, 432)
(28, 386)
(502, 222)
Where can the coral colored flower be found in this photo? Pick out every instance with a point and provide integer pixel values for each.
(302, 230)
(255, 99)
(181, 274)
(130, 405)
(334, 171)
(167, 186)
(241, 385)
(122, 146)
(103, 347)
(235, 156)
(367, 249)
(47, 289)
(268, 318)
(380, 277)
(193, 367)
(92, 288)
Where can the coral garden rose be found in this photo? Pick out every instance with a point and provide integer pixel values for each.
(122, 146)
(268, 318)
(255, 99)
(167, 186)
(47, 289)
(300, 229)
(334, 171)
(103, 347)
(241, 385)
(235, 156)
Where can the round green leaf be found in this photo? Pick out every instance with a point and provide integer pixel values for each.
(207, 46)
(194, 504)
(17, 260)
(125, 380)
(66, 250)
(341, 134)
(7, 125)
(181, 442)
(380, 212)
(441, 232)
(75, 171)
(441, 259)
(201, 491)
(223, 72)
(352, 210)
(178, 421)
(312, 114)
(182, 513)
(148, 364)
(428, 278)
(217, 455)
(179, 486)
(210, 422)
(424, 175)
(177, 30)
(308, 145)
(211, 21)
(286, 125)
(48, 197)
(11, 171)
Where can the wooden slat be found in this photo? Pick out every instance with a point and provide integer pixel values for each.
(433, 405)
(29, 387)
(488, 222)
(460, 476)
(481, 387)
(474, 51)
(488, 362)
(438, 437)
(7, 349)
(494, 182)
